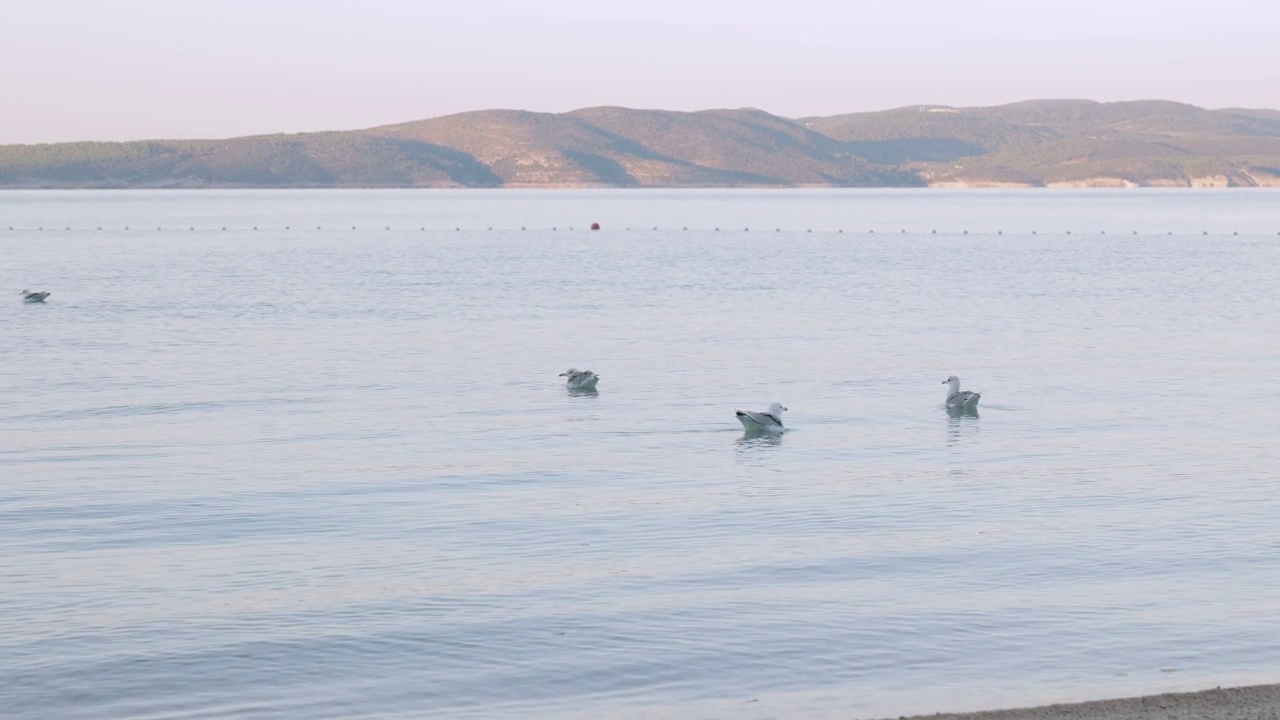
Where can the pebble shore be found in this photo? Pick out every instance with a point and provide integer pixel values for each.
(1257, 702)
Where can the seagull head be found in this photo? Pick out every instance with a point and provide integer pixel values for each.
(952, 379)
(776, 409)
(568, 372)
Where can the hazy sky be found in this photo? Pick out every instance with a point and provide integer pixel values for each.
(130, 69)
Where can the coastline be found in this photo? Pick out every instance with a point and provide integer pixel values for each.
(1250, 702)
(1256, 180)
(940, 185)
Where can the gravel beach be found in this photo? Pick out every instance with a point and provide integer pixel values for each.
(1257, 702)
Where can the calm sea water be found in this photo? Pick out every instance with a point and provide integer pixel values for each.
(326, 469)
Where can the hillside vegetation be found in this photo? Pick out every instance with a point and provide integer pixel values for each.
(1036, 143)
(1069, 142)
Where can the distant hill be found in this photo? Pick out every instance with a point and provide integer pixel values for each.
(1069, 143)
(648, 148)
(1035, 143)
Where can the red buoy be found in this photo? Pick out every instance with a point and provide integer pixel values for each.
(595, 226)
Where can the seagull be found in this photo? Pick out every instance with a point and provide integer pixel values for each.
(580, 379)
(33, 297)
(957, 397)
(770, 421)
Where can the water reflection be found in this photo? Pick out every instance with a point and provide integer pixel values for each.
(755, 441)
(583, 392)
(961, 420)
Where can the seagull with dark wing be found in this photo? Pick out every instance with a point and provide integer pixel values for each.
(576, 379)
(769, 421)
(957, 398)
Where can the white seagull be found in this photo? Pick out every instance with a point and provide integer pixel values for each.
(770, 421)
(33, 297)
(580, 379)
(957, 397)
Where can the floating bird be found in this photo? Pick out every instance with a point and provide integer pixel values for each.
(576, 379)
(770, 421)
(957, 397)
(33, 297)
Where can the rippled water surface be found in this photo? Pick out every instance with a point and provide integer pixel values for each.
(324, 468)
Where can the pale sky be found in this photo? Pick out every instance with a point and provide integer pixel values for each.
(134, 69)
